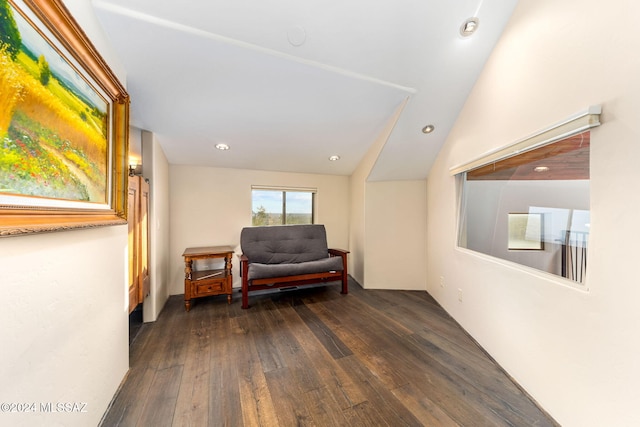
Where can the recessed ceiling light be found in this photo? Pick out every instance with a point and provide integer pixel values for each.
(428, 129)
(541, 168)
(469, 27)
(222, 147)
(334, 158)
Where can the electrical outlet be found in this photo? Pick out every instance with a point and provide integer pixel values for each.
(442, 281)
(459, 294)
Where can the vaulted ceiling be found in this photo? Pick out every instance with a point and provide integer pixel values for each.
(286, 84)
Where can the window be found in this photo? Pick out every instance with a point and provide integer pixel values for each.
(280, 206)
(529, 203)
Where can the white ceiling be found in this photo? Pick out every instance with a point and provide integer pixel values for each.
(288, 83)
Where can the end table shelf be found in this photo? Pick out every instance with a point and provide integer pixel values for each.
(204, 283)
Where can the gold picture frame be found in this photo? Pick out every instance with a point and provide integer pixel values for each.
(31, 208)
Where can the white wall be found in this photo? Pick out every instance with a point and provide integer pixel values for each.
(357, 219)
(64, 322)
(387, 224)
(575, 352)
(156, 169)
(210, 206)
(395, 231)
(357, 185)
(64, 307)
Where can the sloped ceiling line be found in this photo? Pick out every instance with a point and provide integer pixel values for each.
(206, 72)
(154, 20)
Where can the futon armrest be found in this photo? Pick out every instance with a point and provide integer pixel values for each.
(244, 267)
(338, 252)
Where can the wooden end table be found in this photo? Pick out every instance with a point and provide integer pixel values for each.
(204, 283)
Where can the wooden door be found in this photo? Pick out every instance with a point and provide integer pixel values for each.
(143, 253)
(133, 213)
(138, 219)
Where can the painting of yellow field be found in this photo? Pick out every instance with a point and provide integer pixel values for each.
(53, 123)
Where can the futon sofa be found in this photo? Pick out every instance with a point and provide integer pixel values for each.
(288, 256)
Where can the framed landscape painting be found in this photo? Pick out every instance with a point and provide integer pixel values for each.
(63, 124)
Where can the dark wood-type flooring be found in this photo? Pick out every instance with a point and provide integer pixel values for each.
(318, 358)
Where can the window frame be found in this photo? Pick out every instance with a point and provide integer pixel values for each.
(575, 125)
(284, 191)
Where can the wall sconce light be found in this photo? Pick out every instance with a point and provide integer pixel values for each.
(135, 169)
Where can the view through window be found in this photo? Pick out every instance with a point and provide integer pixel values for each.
(532, 208)
(273, 206)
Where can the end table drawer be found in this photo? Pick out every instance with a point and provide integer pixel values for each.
(209, 288)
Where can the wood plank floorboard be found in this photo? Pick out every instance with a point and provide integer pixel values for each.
(314, 357)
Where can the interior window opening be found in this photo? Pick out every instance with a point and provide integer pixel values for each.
(532, 208)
